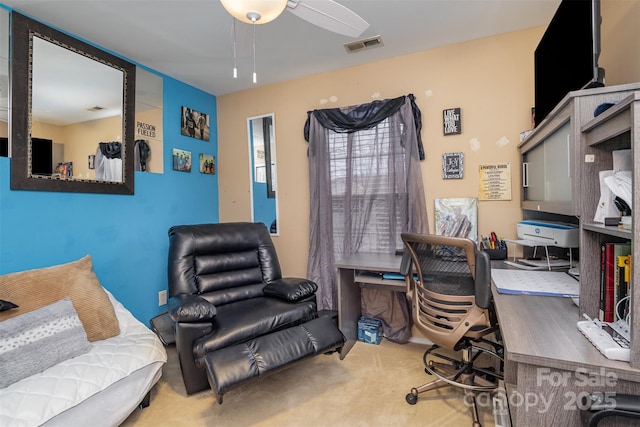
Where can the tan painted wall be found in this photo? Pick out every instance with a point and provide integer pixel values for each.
(620, 30)
(490, 79)
(47, 131)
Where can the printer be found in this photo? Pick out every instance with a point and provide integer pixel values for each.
(549, 233)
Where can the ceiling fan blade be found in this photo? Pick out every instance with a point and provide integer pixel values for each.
(329, 15)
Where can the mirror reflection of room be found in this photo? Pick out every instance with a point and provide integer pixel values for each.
(73, 136)
(262, 146)
(148, 129)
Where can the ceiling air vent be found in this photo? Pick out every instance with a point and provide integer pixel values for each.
(363, 44)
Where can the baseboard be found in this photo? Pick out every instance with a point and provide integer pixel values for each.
(420, 340)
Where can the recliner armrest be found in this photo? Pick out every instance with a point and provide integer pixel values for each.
(190, 308)
(290, 289)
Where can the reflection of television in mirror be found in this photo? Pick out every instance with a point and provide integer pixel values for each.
(41, 156)
(566, 58)
(4, 147)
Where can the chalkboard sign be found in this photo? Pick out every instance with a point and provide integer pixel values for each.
(452, 165)
(451, 122)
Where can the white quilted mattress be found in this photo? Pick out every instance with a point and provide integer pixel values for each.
(36, 399)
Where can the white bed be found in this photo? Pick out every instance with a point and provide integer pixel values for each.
(98, 388)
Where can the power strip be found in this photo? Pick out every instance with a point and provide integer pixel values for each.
(611, 339)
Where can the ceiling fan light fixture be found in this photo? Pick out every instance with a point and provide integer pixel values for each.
(254, 11)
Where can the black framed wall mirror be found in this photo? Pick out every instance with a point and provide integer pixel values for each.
(72, 113)
(263, 171)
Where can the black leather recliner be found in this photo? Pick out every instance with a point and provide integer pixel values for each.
(236, 318)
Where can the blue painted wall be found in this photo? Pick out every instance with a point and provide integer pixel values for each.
(125, 235)
(264, 208)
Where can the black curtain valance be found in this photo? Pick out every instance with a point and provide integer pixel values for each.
(111, 150)
(365, 116)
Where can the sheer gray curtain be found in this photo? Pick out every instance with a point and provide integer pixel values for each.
(366, 186)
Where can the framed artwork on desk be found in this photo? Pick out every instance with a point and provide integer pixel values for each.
(457, 217)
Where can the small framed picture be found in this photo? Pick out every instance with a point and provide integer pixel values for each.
(181, 160)
(452, 165)
(207, 164)
(261, 174)
(194, 124)
(451, 121)
(457, 217)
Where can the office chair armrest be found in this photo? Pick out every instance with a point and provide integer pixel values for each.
(598, 401)
(483, 279)
(598, 405)
(405, 264)
(190, 308)
(290, 289)
(406, 268)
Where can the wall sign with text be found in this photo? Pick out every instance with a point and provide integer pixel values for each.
(452, 165)
(451, 121)
(145, 129)
(495, 181)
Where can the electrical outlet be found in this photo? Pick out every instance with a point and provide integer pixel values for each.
(162, 298)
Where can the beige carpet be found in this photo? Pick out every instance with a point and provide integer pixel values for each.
(367, 388)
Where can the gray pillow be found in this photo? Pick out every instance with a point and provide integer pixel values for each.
(40, 339)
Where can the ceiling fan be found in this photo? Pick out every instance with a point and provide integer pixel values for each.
(326, 14)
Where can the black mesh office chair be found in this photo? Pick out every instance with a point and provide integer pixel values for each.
(449, 287)
(598, 406)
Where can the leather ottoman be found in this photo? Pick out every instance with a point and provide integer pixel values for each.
(238, 364)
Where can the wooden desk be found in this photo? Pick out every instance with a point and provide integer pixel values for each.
(356, 271)
(549, 364)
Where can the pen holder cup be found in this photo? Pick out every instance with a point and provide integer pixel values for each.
(500, 253)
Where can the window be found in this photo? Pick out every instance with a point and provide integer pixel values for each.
(360, 164)
(365, 184)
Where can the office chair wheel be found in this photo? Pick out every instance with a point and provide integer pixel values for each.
(412, 399)
(488, 375)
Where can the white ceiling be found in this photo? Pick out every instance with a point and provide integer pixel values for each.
(191, 40)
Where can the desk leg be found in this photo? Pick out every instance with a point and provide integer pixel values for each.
(348, 308)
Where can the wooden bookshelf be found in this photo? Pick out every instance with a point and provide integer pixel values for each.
(617, 128)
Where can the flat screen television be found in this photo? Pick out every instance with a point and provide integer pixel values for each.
(41, 156)
(566, 58)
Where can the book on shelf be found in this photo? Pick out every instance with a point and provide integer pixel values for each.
(623, 282)
(606, 261)
(610, 289)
